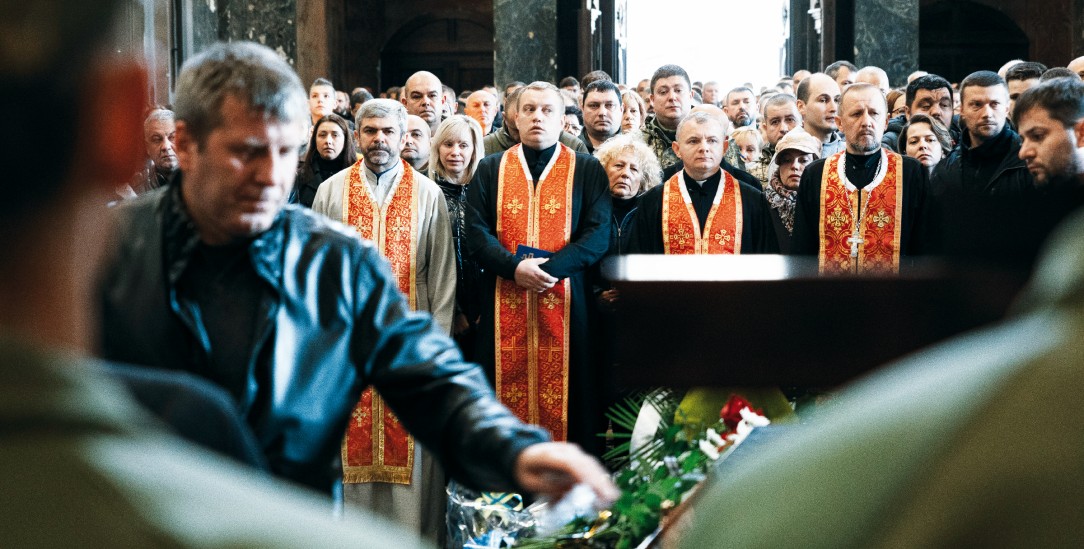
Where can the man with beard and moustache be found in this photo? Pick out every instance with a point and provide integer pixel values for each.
(416, 143)
(978, 194)
(602, 112)
(538, 218)
(703, 209)
(342, 104)
(818, 103)
(857, 209)
(405, 215)
(740, 107)
(671, 96)
(508, 135)
(1050, 118)
(423, 96)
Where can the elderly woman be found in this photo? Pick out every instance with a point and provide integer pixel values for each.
(632, 170)
(794, 151)
(455, 152)
(331, 150)
(926, 140)
(635, 113)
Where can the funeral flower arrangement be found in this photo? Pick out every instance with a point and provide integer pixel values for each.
(655, 476)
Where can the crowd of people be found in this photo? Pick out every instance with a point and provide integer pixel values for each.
(468, 327)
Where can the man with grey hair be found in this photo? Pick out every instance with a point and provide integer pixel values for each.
(293, 314)
(857, 210)
(703, 209)
(404, 214)
(538, 217)
(158, 135)
(875, 76)
(70, 432)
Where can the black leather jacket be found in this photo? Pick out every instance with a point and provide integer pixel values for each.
(336, 324)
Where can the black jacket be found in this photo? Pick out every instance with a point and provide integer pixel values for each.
(979, 204)
(335, 324)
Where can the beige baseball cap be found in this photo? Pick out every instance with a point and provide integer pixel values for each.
(800, 140)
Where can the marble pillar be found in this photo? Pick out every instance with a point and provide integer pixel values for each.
(269, 22)
(886, 36)
(524, 41)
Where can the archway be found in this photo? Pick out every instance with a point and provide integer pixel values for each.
(459, 51)
(958, 38)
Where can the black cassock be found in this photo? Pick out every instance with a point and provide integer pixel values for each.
(589, 242)
(757, 237)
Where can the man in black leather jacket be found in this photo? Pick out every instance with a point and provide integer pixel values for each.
(290, 313)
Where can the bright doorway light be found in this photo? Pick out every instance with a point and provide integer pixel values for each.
(729, 41)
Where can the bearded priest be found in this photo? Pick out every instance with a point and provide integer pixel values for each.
(857, 209)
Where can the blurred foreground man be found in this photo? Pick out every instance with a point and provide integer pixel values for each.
(82, 464)
(918, 455)
(291, 313)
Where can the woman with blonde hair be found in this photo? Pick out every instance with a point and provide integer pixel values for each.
(634, 111)
(632, 170)
(456, 149)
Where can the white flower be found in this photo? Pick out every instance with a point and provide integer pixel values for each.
(709, 450)
(752, 418)
(714, 438)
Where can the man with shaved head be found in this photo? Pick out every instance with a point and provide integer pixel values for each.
(423, 96)
(857, 209)
(703, 209)
(482, 107)
(1077, 66)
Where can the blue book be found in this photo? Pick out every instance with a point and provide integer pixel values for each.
(527, 252)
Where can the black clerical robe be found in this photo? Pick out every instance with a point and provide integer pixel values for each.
(590, 239)
(860, 171)
(757, 237)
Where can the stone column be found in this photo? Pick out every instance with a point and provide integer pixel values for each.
(886, 36)
(524, 41)
(271, 23)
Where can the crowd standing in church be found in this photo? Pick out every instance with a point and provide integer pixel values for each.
(417, 296)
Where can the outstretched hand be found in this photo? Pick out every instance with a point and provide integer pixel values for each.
(553, 468)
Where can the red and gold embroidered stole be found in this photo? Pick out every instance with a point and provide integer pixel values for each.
(878, 249)
(532, 351)
(681, 232)
(377, 448)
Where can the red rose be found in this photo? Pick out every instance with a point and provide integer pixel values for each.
(731, 411)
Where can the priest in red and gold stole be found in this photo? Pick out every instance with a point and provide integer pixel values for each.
(404, 214)
(702, 209)
(857, 210)
(538, 217)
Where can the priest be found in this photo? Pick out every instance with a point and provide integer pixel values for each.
(538, 217)
(403, 213)
(857, 209)
(703, 209)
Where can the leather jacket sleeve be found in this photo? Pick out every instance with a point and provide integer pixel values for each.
(442, 400)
